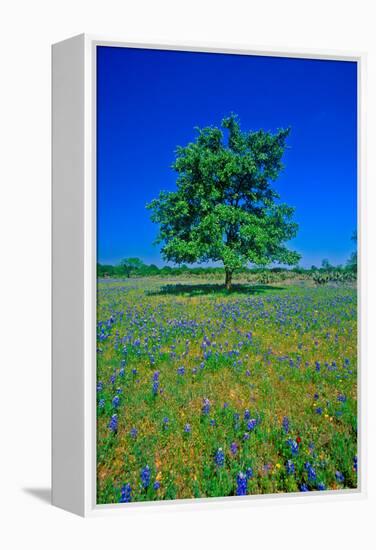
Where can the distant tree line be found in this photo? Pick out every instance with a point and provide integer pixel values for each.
(134, 267)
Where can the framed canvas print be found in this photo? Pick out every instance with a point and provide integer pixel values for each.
(206, 274)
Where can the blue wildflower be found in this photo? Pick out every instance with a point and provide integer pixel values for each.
(249, 473)
(285, 424)
(303, 488)
(145, 477)
(247, 414)
(187, 428)
(318, 410)
(219, 457)
(116, 401)
(156, 485)
(294, 447)
(126, 493)
(133, 433)
(101, 403)
(251, 424)
(321, 486)
(311, 471)
(341, 398)
(166, 421)
(212, 422)
(245, 436)
(290, 467)
(241, 484)
(113, 424)
(99, 386)
(355, 463)
(181, 371)
(206, 406)
(339, 477)
(234, 448)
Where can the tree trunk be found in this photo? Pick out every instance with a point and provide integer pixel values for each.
(228, 281)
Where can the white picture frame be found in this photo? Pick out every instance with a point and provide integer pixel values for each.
(74, 275)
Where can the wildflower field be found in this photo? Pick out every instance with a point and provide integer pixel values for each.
(206, 393)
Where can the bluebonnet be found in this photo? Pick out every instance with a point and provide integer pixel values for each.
(99, 386)
(122, 372)
(294, 447)
(341, 398)
(101, 403)
(134, 371)
(156, 485)
(247, 414)
(321, 486)
(318, 410)
(212, 422)
(206, 406)
(181, 370)
(225, 405)
(145, 477)
(116, 401)
(234, 448)
(245, 436)
(133, 433)
(112, 379)
(285, 424)
(113, 424)
(290, 467)
(219, 457)
(155, 383)
(251, 424)
(166, 421)
(241, 484)
(310, 470)
(303, 488)
(355, 463)
(339, 477)
(249, 473)
(126, 493)
(187, 428)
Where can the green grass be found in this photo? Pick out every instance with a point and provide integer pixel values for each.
(254, 349)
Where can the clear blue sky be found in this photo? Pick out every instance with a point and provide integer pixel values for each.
(149, 102)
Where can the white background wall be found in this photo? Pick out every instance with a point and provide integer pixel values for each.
(27, 30)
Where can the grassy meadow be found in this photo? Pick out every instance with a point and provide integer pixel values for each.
(205, 393)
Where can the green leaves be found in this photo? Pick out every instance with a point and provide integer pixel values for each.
(224, 207)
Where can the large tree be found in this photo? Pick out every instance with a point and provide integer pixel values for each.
(224, 208)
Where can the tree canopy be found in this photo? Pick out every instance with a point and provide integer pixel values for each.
(224, 208)
(129, 265)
